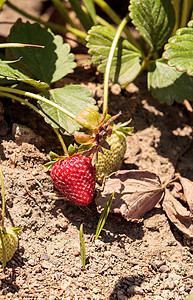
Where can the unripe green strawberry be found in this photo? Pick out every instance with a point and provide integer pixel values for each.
(10, 241)
(111, 160)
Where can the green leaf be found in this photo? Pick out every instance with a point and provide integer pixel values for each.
(190, 297)
(53, 155)
(73, 98)
(104, 216)
(83, 18)
(169, 85)
(10, 74)
(154, 19)
(127, 59)
(82, 246)
(49, 64)
(91, 9)
(72, 149)
(1, 3)
(179, 50)
(17, 229)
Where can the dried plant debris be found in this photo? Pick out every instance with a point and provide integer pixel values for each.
(135, 193)
(178, 204)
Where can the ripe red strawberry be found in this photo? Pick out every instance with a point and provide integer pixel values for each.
(75, 177)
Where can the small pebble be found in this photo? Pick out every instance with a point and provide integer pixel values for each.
(98, 243)
(9, 202)
(76, 252)
(164, 269)
(45, 256)
(62, 224)
(159, 263)
(107, 253)
(46, 265)
(31, 262)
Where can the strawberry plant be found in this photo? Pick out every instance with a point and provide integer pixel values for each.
(154, 22)
(30, 75)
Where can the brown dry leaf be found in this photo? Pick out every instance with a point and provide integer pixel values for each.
(136, 193)
(178, 205)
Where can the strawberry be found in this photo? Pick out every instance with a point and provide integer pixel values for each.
(10, 242)
(111, 160)
(75, 177)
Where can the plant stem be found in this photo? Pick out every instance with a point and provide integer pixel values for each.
(101, 21)
(8, 95)
(61, 140)
(2, 196)
(176, 5)
(18, 45)
(108, 10)
(113, 16)
(38, 97)
(186, 10)
(109, 61)
(82, 16)
(51, 25)
(63, 12)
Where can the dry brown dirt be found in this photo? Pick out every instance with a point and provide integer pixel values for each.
(149, 260)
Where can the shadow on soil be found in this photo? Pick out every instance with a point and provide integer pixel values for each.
(90, 217)
(8, 282)
(172, 121)
(126, 286)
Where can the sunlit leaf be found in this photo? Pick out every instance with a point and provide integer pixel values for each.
(1, 3)
(73, 98)
(179, 50)
(154, 19)
(104, 216)
(127, 60)
(82, 246)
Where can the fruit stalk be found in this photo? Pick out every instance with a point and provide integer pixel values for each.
(5, 94)
(109, 61)
(38, 97)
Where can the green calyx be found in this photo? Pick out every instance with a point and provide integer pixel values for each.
(122, 127)
(54, 158)
(94, 139)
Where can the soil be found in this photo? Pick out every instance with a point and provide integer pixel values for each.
(149, 260)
